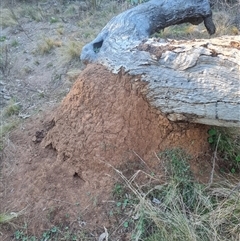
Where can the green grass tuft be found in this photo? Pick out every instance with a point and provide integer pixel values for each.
(6, 218)
(12, 108)
(226, 142)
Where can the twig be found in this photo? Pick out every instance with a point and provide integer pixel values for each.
(214, 161)
(162, 164)
(57, 200)
(142, 160)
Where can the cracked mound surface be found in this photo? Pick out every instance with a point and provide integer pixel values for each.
(105, 117)
(58, 160)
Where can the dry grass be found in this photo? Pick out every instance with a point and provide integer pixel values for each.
(5, 59)
(224, 23)
(9, 120)
(12, 108)
(226, 143)
(7, 18)
(89, 27)
(181, 209)
(95, 3)
(5, 129)
(31, 12)
(71, 50)
(71, 10)
(60, 30)
(223, 19)
(73, 74)
(224, 4)
(183, 31)
(47, 45)
(94, 21)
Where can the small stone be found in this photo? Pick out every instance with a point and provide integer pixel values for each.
(7, 97)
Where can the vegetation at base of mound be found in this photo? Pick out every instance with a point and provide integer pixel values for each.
(179, 208)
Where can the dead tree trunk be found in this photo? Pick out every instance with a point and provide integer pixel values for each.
(140, 22)
(196, 81)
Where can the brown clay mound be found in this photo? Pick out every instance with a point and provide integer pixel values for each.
(105, 118)
(57, 162)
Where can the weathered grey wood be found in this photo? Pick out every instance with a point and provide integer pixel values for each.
(196, 81)
(140, 22)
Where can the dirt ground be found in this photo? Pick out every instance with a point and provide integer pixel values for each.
(58, 165)
(40, 48)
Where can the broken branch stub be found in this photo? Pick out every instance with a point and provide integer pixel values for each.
(196, 81)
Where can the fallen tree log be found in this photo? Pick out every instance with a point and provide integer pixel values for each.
(196, 81)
